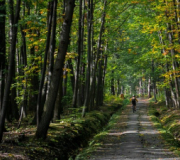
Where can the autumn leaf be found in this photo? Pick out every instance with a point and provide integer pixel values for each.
(165, 53)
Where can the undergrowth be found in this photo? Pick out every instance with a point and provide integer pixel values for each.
(65, 138)
(97, 140)
(167, 123)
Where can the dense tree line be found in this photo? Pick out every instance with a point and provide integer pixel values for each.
(59, 53)
(37, 73)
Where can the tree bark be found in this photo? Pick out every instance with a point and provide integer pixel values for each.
(154, 82)
(70, 66)
(88, 70)
(80, 96)
(2, 49)
(44, 68)
(10, 70)
(174, 66)
(96, 61)
(58, 105)
(52, 42)
(99, 83)
(76, 87)
(140, 87)
(149, 87)
(58, 70)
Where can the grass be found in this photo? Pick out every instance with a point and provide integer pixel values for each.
(166, 122)
(65, 138)
(97, 140)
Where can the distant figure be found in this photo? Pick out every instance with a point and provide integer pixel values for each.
(133, 101)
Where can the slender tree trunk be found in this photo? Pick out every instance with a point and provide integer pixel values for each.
(172, 51)
(122, 90)
(99, 83)
(52, 42)
(80, 96)
(140, 87)
(44, 68)
(88, 70)
(2, 49)
(58, 105)
(64, 88)
(57, 72)
(154, 82)
(98, 52)
(10, 70)
(12, 95)
(104, 73)
(173, 96)
(112, 84)
(174, 67)
(169, 93)
(82, 88)
(167, 97)
(35, 85)
(23, 62)
(76, 87)
(149, 87)
(70, 66)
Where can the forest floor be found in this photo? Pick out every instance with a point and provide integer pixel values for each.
(139, 139)
(65, 138)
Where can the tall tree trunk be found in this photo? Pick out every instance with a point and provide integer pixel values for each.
(76, 87)
(58, 105)
(64, 88)
(140, 87)
(169, 93)
(35, 85)
(174, 66)
(12, 104)
(122, 89)
(23, 62)
(52, 43)
(99, 83)
(88, 70)
(167, 97)
(70, 66)
(44, 67)
(104, 73)
(80, 96)
(98, 53)
(10, 70)
(112, 84)
(2, 49)
(154, 82)
(149, 87)
(57, 72)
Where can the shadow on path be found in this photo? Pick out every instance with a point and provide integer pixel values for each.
(139, 140)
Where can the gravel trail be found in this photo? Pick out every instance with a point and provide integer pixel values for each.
(139, 140)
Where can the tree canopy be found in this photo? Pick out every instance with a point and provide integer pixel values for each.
(56, 55)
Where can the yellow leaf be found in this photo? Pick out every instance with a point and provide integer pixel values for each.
(29, 22)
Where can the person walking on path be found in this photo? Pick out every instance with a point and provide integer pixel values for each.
(133, 101)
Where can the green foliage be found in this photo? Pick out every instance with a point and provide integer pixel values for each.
(112, 99)
(97, 140)
(167, 124)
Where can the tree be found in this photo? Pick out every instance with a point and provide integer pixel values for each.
(10, 70)
(2, 49)
(58, 70)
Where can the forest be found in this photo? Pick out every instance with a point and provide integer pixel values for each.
(65, 62)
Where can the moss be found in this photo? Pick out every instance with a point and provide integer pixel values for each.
(167, 122)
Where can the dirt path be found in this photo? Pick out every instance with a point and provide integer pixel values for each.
(139, 140)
